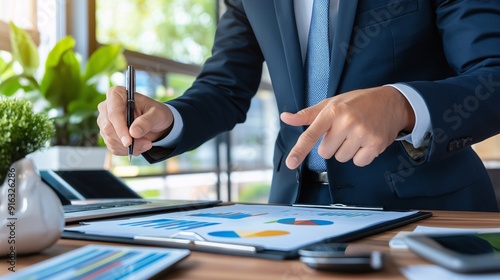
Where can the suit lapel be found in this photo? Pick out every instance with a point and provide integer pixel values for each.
(288, 30)
(341, 42)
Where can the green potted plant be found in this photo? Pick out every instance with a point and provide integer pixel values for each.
(66, 91)
(21, 132)
(27, 203)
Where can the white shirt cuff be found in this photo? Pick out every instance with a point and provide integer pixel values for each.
(421, 132)
(172, 138)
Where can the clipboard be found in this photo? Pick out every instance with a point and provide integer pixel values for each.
(193, 240)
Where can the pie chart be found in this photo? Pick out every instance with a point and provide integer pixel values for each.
(248, 233)
(293, 221)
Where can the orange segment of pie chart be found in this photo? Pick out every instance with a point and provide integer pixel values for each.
(264, 233)
(248, 233)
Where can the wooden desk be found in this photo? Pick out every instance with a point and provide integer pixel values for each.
(214, 266)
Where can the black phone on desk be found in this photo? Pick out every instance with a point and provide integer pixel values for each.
(332, 257)
(460, 252)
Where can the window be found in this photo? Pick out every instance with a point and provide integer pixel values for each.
(181, 30)
(168, 41)
(24, 14)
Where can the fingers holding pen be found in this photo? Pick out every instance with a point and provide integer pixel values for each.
(152, 120)
(112, 121)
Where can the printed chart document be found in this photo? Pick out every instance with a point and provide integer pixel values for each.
(279, 228)
(104, 262)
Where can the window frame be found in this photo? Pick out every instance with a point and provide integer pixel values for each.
(165, 66)
(33, 32)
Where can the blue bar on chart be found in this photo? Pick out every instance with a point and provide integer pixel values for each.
(169, 224)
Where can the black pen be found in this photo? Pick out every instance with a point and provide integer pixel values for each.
(130, 86)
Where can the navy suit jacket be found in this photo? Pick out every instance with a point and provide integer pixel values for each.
(449, 51)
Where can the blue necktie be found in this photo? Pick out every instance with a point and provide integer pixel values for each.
(317, 67)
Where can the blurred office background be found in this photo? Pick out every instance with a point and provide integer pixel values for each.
(168, 41)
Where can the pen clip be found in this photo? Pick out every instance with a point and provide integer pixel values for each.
(188, 235)
(194, 240)
(130, 82)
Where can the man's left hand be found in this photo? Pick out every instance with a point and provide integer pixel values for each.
(357, 125)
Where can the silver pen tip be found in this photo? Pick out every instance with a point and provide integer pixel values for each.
(129, 157)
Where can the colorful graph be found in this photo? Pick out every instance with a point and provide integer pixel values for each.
(248, 233)
(102, 262)
(228, 215)
(168, 224)
(293, 221)
(345, 214)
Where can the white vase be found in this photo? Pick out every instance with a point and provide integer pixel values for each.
(31, 215)
(70, 158)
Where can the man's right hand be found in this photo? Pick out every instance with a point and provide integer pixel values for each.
(153, 120)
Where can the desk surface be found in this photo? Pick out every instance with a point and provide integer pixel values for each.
(215, 266)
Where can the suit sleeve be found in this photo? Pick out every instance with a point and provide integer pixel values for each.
(220, 96)
(465, 109)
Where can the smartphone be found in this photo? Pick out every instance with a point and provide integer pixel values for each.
(332, 257)
(465, 253)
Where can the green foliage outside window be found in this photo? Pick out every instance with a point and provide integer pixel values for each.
(181, 30)
(69, 92)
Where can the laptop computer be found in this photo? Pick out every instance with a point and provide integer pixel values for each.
(97, 194)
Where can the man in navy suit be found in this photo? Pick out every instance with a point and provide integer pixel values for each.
(412, 84)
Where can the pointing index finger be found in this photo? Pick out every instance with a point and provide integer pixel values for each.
(307, 140)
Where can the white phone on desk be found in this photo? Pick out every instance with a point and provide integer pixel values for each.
(460, 252)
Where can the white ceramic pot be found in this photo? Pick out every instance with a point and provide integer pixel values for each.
(31, 214)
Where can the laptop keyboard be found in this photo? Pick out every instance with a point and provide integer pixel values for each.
(103, 205)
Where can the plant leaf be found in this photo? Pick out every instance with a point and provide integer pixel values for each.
(105, 60)
(24, 49)
(6, 70)
(89, 99)
(65, 44)
(4, 66)
(61, 82)
(10, 86)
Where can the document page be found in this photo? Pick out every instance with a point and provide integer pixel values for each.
(282, 228)
(104, 262)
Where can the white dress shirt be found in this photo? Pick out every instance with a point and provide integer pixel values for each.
(303, 13)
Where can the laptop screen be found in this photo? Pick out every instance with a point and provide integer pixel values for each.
(86, 184)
